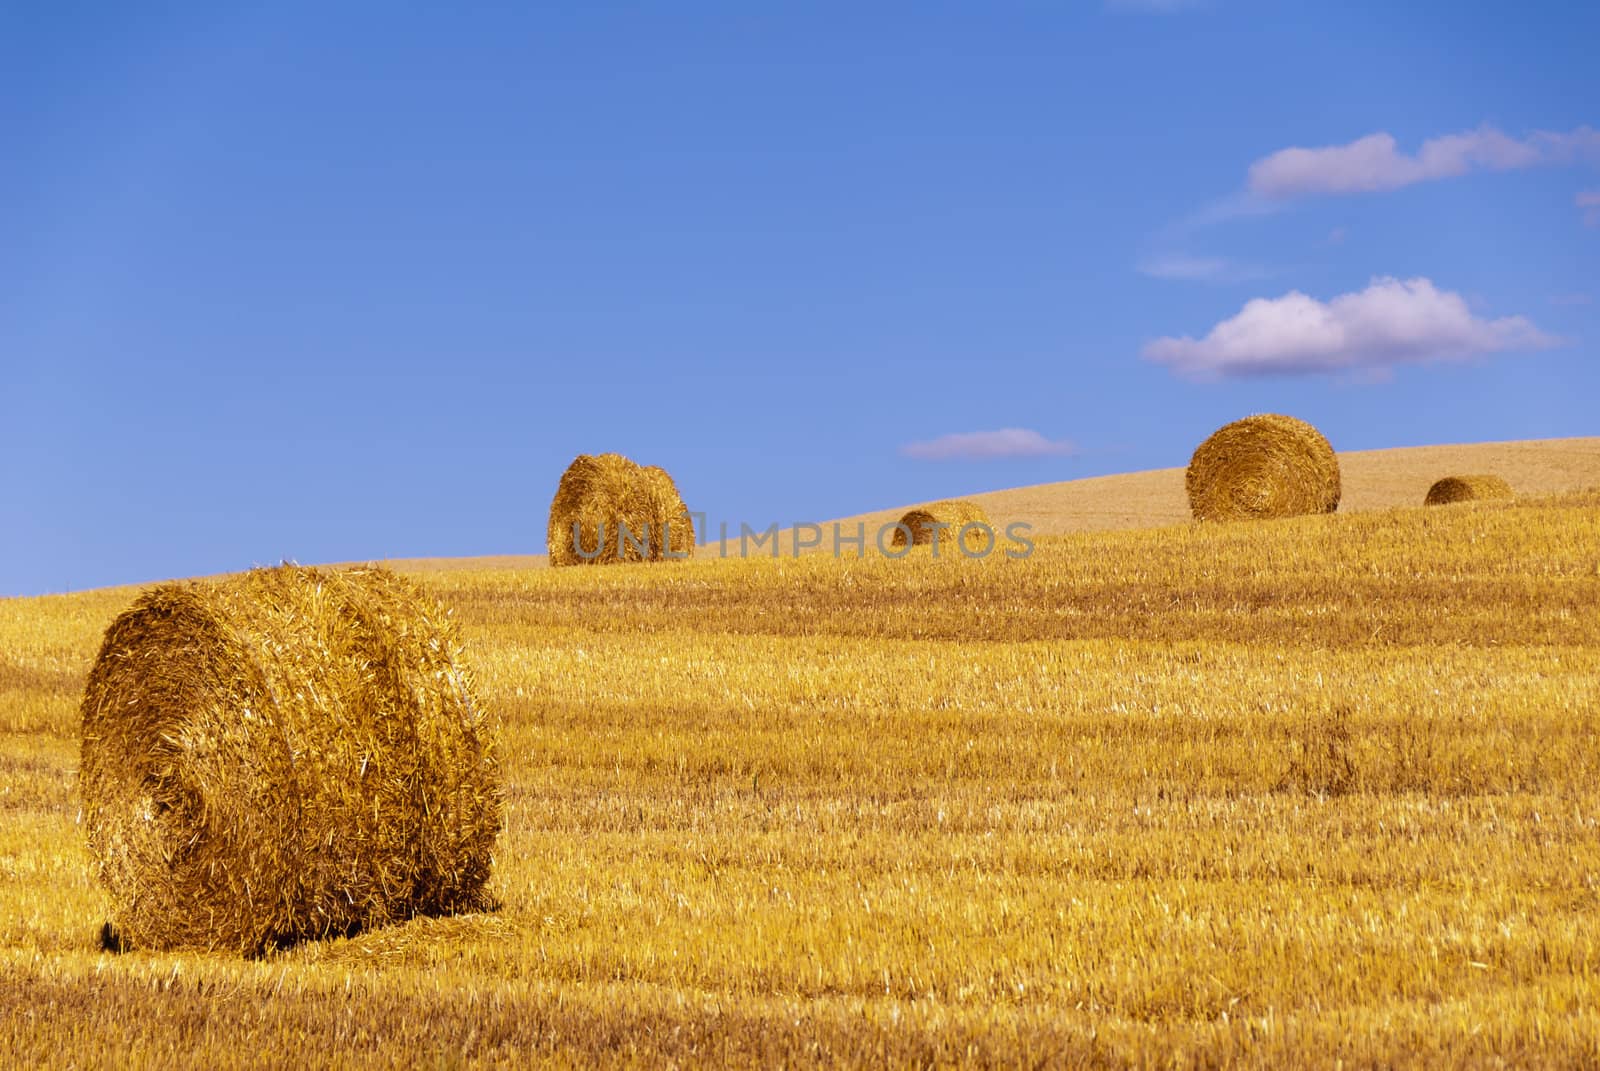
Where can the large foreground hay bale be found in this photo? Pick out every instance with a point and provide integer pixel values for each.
(1484, 488)
(956, 515)
(1266, 465)
(602, 496)
(287, 754)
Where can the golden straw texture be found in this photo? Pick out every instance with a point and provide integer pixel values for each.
(1484, 488)
(286, 754)
(616, 511)
(955, 514)
(1266, 465)
(669, 517)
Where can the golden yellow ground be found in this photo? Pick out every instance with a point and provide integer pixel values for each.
(1314, 792)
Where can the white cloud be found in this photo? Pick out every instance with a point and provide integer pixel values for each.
(1589, 201)
(1374, 163)
(1198, 269)
(1226, 210)
(1390, 322)
(987, 445)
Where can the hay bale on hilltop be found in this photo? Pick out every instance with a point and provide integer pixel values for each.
(595, 496)
(287, 754)
(1483, 488)
(602, 497)
(1263, 466)
(671, 527)
(952, 519)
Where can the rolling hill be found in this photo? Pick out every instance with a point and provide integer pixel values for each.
(1373, 479)
(1301, 793)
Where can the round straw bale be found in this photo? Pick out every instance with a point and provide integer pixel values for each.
(610, 509)
(951, 519)
(671, 527)
(282, 755)
(1266, 465)
(1484, 488)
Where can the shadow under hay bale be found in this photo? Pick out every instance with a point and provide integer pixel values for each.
(1485, 488)
(609, 509)
(952, 519)
(1263, 466)
(283, 755)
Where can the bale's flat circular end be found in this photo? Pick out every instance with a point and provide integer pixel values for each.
(286, 754)
(1482, 488)
(946, 522)
(607, 508)
(1263, 466)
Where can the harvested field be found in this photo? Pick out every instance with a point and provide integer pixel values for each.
(1318, 791)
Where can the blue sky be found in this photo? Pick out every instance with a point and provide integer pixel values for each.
(335, 282)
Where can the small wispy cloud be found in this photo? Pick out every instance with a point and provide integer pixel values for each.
(987, 446)
(1391, 322)
(1199, 269)
(1235, 206)
(1375, 163)
(1589, 201)
(1570, 299)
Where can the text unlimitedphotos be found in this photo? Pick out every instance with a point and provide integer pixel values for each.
(894, 540)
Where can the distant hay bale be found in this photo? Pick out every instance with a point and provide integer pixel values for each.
(1263, 466)
(283, 755)
(1483, 488)
(595, 495)
(610, 509)
(955, 515)
(671, 527)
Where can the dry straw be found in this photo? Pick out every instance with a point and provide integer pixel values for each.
(614, 510)
(669, 517)
(1266, 465)
(1485, 488)
(951, 519)
(287, 754)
